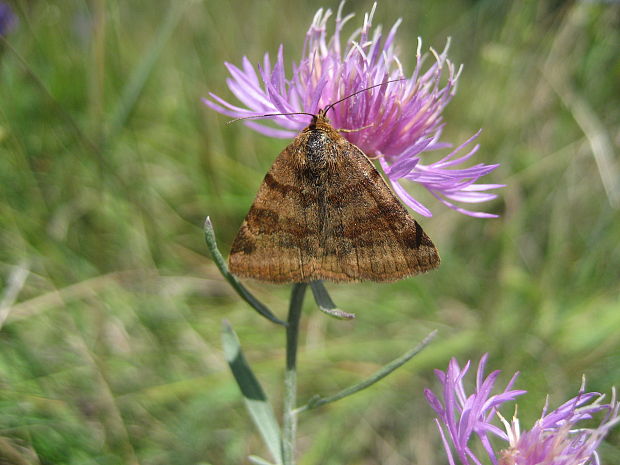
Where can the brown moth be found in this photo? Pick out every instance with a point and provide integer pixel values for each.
(324, 212)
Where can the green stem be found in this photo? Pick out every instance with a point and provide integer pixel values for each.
(289, 423)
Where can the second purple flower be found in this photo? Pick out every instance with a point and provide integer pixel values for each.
(559, 437)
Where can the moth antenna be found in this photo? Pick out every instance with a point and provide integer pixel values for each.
(329, 107)
(269, 114)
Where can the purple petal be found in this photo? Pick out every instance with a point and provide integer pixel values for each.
(462, 210)
(270, 132)
(409, 200)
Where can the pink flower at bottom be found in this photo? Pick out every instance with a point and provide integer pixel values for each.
(557, 438)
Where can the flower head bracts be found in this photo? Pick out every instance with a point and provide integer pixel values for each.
(460, 415)
(398, 122)
(557, 438)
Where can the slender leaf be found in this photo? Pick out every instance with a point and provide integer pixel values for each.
(255, 399)
(232, 280)
(325, 303)
(317, 401)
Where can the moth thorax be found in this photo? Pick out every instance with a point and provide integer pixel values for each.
(317, 146)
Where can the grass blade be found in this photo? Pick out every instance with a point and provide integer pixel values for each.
(258, 460)
(139, 77)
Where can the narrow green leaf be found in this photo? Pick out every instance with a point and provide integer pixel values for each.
(255, 399)
(325, 303)
(317, 401)
(232, 280)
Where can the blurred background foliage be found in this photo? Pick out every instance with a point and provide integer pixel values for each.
(111, 309)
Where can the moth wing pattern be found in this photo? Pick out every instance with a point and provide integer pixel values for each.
(279, 232)
(368, 234)
(340, 222)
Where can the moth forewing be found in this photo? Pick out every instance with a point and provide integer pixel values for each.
(323, 212)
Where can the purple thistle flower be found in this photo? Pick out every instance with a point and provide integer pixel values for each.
(398, 123)
(7, 18)
(555, 439)
(460, 415)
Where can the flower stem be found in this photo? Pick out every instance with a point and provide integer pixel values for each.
(289, 423)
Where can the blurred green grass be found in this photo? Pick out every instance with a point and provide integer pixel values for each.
(109, 163)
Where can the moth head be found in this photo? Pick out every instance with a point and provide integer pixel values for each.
(321, 116)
